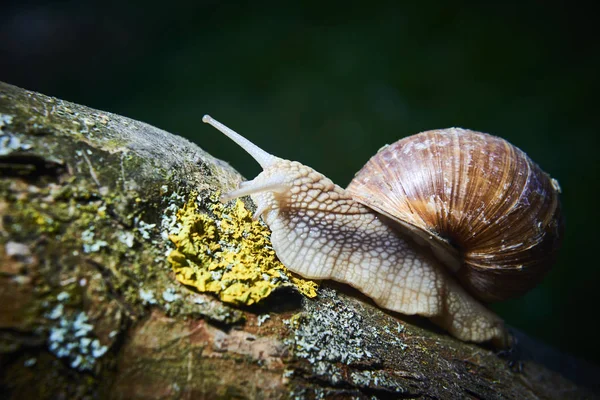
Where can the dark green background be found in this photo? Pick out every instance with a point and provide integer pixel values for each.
(328, 84)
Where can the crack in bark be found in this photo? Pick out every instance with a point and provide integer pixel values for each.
(31, 167)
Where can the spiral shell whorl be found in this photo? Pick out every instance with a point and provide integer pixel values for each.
(475, 195)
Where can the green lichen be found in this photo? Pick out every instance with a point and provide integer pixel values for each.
(228, 254)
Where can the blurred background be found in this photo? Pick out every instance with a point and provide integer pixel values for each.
(328, 84)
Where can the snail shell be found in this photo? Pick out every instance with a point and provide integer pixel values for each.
(488, 211)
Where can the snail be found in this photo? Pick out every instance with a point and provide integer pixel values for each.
(434, 225)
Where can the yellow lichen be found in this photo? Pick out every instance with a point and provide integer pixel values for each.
(228, 253)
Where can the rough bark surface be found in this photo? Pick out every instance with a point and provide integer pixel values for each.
(89, 307)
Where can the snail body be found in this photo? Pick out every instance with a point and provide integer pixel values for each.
(424, 228)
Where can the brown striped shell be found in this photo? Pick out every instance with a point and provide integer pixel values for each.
(487, 210)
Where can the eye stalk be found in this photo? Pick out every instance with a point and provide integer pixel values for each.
(262, 157)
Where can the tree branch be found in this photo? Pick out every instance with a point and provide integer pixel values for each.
(93, 207)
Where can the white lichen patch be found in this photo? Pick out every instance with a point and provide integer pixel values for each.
(262, 318)
(147, 296)
(63, 296)
(332, 336)
(170, 224)
(5, 119)
(30, 362)
(381, 380)
(334, 333)
(126, 238)
(144, 228)
(56, 312)
(10, 143)
(170, 295)
(90, 245)
(72, 337)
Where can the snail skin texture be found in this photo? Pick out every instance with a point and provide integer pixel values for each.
(431, 225)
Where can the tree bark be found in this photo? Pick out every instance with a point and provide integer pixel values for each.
(90, 305)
